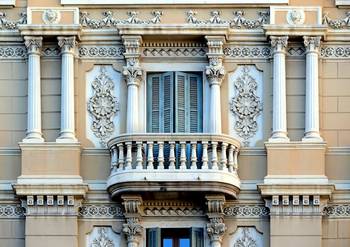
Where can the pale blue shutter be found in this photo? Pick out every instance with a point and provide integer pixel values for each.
(153, 102)
(167, 107)
(153, 237)
(197, 239)
(180, 101)
(195, 103)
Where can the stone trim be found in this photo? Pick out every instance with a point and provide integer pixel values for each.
(11, 211)
(337, 211)
(246, 211)
(6, 24)
(104, 211)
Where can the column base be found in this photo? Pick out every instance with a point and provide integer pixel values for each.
(312, 137)
(279, 137)
(33, 137)
(67, 138)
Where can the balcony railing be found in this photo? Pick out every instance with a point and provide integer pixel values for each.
(174, 162)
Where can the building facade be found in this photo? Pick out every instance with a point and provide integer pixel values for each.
(176, 123)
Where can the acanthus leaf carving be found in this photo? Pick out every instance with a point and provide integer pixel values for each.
(6, 24)
(246, 240)
(102, 240)
(246, 106)
(103, 106)
(132, 229)
(132, 71)
(216, 229)
(110, 21)
(215, 71)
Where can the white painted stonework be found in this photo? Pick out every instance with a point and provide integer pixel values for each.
(110, 2)
(246, 237)
(102, 236)
(118, 89)
(249, 75)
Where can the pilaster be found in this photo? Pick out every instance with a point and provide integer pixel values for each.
(132, 228)
(216, 227)
(215, 73)
(133, 74)
(279, 122)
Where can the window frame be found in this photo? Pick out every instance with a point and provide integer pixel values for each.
(198, 67)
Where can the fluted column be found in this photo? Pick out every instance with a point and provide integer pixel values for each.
(215, 72)
(67, 133)
(133, 74)
(34, 133)
(312, 119)
(279, 122)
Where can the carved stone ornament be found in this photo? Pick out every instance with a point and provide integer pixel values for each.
(102, 239)
(51, 16)
(100, 211)
(132, 229)
(338, 23)
(295, 17)
(279, 43)
(312, 43)
(338, 210)
(246, 106)
(103, 106)
(11, 211)
(110, 21)
(6, 24)
(101, 52)
(238, 21)
(33, 44)
(132, 71)
(216, 229)
(243, 211)
(215, 71)
(246, 240)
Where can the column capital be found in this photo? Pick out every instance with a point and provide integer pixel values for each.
(132, 228)
(216, 227)
(132, 71)
(33, 44)
(312, 43)
(132, 44)
(67, 44)
(279, 43)
(215, 71)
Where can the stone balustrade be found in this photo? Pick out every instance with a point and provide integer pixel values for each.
(171, 158)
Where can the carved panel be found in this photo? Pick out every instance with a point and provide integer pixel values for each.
(245, 92)
(100, 211)
(103, 236)
(103, 92)
(247, 237)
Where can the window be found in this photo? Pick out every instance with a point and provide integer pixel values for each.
(175, 237)
(174, 102)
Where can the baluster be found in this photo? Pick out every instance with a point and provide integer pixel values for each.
(194, 155)
(214, 156)
(223, 156)
(139, 156)
(235, 161)
(114, 162)
(183, 155)
(230, 158)
(161, 156)
(121, 156)
(205, 156)
(150, 158)
(128, 159)
(172, 158)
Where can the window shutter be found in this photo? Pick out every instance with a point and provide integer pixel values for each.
(168, 103)
(195, 103)
(197, 239)
(153, 107)
(180, 101)
(153, 237)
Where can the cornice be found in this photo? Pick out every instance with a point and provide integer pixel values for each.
(287, 30)
(50, 30)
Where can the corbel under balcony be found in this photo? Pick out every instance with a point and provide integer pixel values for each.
(174, 162)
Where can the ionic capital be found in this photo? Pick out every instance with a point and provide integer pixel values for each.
(33, 44)
(279, 43)
(67, 44)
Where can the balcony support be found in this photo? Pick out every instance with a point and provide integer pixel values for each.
(216, 227)
(132, 228)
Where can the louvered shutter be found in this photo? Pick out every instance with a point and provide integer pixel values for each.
(180, 102)
(153, 237)
(167, 116)
(195, 103)
(197, 239)
(153, 105)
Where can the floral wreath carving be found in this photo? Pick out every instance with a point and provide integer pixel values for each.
(102, 106)
(246, 240)
(246, 106)
(102, 240)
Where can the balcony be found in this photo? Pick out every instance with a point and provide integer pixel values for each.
(174, 162)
